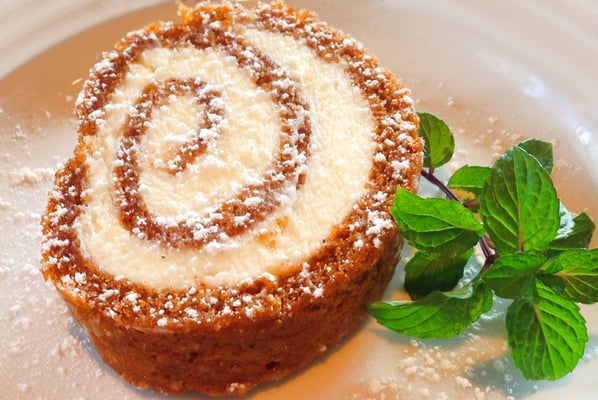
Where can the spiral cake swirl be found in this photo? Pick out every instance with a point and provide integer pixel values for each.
(224, 218)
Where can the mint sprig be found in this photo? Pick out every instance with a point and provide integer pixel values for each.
(536, 254)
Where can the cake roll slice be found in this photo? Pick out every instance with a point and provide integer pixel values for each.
(224, 218)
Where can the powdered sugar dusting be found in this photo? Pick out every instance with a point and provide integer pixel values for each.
(40, 344)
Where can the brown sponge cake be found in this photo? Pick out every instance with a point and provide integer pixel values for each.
(224, 219)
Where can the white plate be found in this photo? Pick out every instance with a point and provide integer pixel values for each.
(497, 72)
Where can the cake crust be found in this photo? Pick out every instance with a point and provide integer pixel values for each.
(227, 339)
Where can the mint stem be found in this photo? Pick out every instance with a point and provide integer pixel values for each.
(429, 175)
(489, 255)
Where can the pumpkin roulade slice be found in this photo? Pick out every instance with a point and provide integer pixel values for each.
(224, 219)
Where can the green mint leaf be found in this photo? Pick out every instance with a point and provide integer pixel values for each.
(435, 226)
(547, 337)
(438, 315)
(519, 205)
(574, 232)
(512, 275)
(467, 183)
(469, 179)
(541, 150)
(573, 275)
(427, 273)
(439, 144)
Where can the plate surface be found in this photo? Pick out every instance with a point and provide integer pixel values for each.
(497, 72)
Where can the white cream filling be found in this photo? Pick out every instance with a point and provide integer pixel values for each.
(341, 157)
